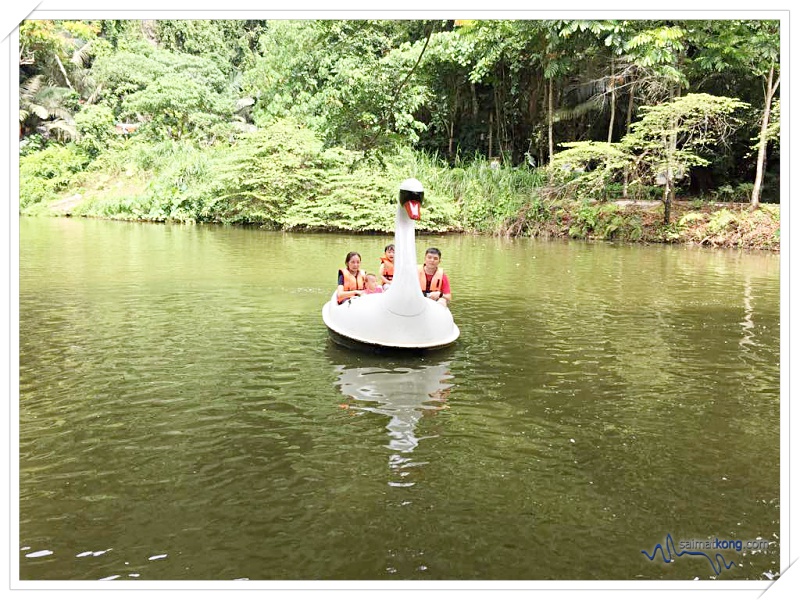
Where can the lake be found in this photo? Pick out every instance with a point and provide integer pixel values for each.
(184, 416)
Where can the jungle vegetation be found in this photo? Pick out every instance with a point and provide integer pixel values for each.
(613, 129)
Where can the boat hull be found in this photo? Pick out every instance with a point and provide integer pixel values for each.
(367, 323)
(351, 344)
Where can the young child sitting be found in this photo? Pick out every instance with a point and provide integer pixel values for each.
(371, 284)
(386, 270)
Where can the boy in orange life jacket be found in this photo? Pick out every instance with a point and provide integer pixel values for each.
(351, 279)
(432, 278)
(371, 284)
(386, 270)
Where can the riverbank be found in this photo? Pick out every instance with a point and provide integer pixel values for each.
(694, 222)
(284, 178)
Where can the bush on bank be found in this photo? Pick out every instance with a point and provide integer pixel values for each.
(282, 177)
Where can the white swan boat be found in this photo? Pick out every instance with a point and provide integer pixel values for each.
(402, 317)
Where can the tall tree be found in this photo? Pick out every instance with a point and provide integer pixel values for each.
(744, 48)
(352, 81)
(52, 74)
(445, 71)
(658, 51)
(673, 136)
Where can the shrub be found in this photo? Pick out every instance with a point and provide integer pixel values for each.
(724, 193)
(606, 222)
(721, 221)
(587, 169)
(43, 175)
(95, 124)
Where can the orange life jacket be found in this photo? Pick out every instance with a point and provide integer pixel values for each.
(351, 284)
(388, 267)
(436, 280)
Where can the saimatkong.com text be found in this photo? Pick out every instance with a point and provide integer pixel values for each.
(718, 544)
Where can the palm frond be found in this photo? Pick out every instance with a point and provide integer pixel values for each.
(63, 129)
(569, 113)
(92, 99)
(81, 56)
(62, 114)
(31, 86)
(39, 110)
(244, 103)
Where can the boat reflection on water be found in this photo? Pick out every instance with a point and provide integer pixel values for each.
(405, 395)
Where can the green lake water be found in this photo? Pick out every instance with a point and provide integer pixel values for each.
(184, 416)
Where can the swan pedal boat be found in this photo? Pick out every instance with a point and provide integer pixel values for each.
(400, 318)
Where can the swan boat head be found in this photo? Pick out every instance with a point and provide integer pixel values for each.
(402, 317)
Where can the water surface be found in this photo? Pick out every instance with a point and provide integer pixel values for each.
(184, 416)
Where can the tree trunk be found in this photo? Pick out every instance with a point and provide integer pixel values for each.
(769, 92)
(613, 83)
(63, 72)
(673, 147)
(613, 103)
(542, 147)
(673, 191)
(628, 119)
(550, 122)
(533, 103)
(667, 139)
(474, 101)
(669, 187)
(499, 122)
(499, 94)
(491, 120)
(452, 123)
(450, 142)
(629, 116)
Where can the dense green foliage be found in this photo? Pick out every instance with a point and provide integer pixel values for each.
(311, 124)
(281, 176)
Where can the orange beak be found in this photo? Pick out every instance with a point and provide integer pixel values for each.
(412, 209)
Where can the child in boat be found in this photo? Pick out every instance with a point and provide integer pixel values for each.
(371, 284)
(351, 279)
(386, 270)
(432, 278)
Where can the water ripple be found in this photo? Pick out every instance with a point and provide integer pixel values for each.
(182, 414)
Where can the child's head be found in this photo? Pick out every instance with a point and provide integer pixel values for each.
(371, 281)
(389, 250)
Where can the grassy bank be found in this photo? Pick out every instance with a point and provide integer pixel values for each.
(695, 222)
(283, 178)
